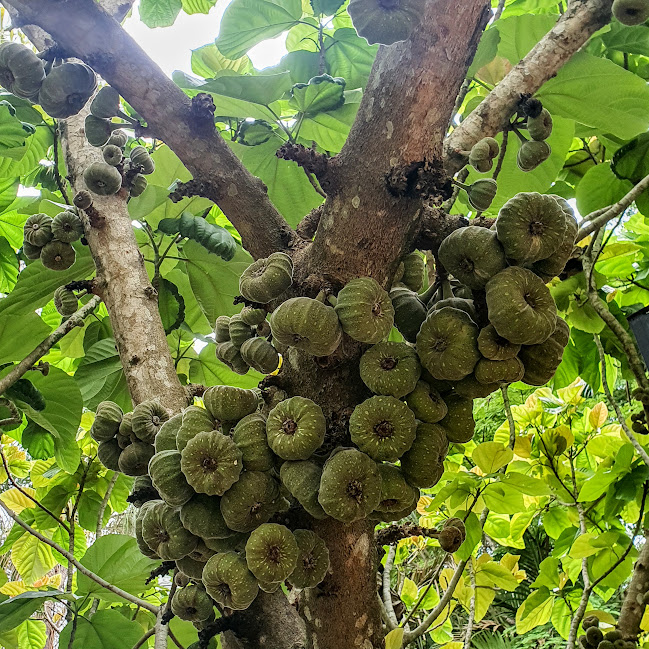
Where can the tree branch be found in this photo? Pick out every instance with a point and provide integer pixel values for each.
(75, 320)
(618, 411)
(585, 595)
(82, 569)
(598, 219)
(633, 606)
(84, 30)
(387, 594)
(572, 30)
(409, 636)
(469, 625)
(510, 418)
(104, 503)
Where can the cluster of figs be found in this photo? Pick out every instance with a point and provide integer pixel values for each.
(596, 638)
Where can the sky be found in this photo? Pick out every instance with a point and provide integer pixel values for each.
(170, 47)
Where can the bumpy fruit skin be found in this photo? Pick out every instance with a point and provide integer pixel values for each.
(390, 368)
(350, 488)
(548, 268)
(631, 12)
(102, 179)
(482, 193)
(365, 310)
(470, 388)
(423, 464)
(250, 437)
(266, 279)
(501, 372)
(271, 552)
(141, 159)
(495, 347)
(134, 459)
(168, 479)
(66, 89)
(520, 306)
(192, 603)
(426, 403)
(540, 127)
(65, 301)
(165, 440)
(148, 417)
(113, 155)
(239, 331)
(222, 329)
(458, 424)
(228, 581)
(38, 229)
(108, 453)
(532, 154)
(82, 200)
(118, 138)
(306, 324)
(141, 543)
(98, 131)
(447, 344)
(57, 255)
(108, 417)
(202, 517)
(189, 569)
(138, 184)
(251, 501)
(530, 226)
(473, 255)
(541, 361)
(236, 541)
(67, 227)
(295, 428)
(211, 463)
(227, 403)
(463, 304)
(163, 532)
(387, 21)
(398, 498)
(383, 427)
(21, 71)
(30, 251)
(414, 269)
(105, 103)
(312, 560)
(260, 355)
(483, 153)
(195, 420)
(228, 354)
(409, 312)
(450, 539)
(302, 479)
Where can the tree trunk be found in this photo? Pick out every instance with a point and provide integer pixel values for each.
(634, 605)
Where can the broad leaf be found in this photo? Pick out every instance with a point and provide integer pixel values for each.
(159, 13)
(106, 629)
(14, 610)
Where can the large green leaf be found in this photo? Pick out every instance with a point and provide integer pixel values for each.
(32, 558)
(207, 370)
(100, 376)
(197, 6)
(207, 62)
(600, 94)
(632, 40)
(8, 266)
(215, 282)
(288, 187)
(330, 130)
(36, 284)
(599, 188)
(19, 336)
(159, 13)
(12, 133)
(23, 159)
(248, 22)
(61, 416)
(32, 634)
(15, 610)
(117, 559)
(106, 629)
(519, 34)
(349, 56)
(322, 94)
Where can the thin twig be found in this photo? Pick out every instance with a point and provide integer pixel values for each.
(618, 411)
(510, 418)
(75, 320)
(595, 222)
(42, 507)
(144, 638)
(387, 595)
(57, 176)
(499, 10)
(173, 637)
(471, 620)
(501, 155)
(104, 504)
(82, 569)
(585, 595)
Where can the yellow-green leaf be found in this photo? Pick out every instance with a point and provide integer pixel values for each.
(394, 639)
(32, 558)
(409, 592)
(491, 456)
(17, 501)
(598, 415)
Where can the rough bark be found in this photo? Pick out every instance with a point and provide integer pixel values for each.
(84, 30)
(582, 19)
(123, 283)
(343, 611)
(634, 606)
(392, 158)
